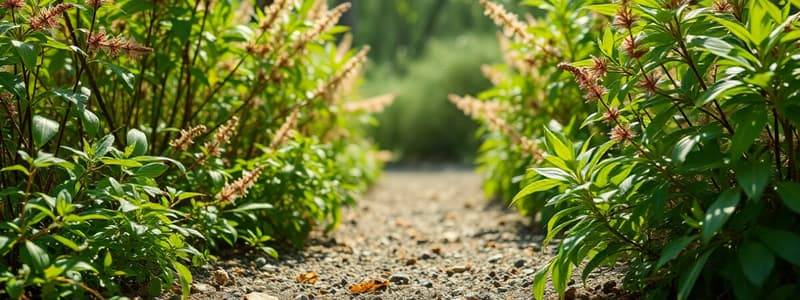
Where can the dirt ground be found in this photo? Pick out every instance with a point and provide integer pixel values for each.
(419, 234)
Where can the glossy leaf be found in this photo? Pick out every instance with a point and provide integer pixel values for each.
(718, 213)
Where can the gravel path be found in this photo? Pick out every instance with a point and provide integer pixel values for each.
(428, 234)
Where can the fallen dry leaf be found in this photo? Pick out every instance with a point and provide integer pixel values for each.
(369, 286)
(310, 277)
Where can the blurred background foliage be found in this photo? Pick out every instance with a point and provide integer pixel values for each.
(421, 51)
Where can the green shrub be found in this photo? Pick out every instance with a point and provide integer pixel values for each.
(683, 161)
(125, 162)
(420, 125)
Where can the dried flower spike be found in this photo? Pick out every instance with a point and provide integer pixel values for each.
(511, 24)
(222, 137)
(48, 17)
(721, 7)
(622, 133)
(611, 115)
(187, 137)
(586, 81)
(632, 47)
(600, 68)
(239, 188)
(283, 132)
(13, 4)
(96, 3)
(624, 19)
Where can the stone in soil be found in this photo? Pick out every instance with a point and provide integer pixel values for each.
(400, 278)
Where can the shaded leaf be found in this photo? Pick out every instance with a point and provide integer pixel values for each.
(757, 262)
(789, 192)
(719, 212)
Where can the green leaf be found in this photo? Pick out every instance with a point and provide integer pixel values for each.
(185, 277)
(151, 170)
(737, 29)
(90, 122)
(26, 52)
(120, 162)
(718, 90)
(724, 49)
(539, 280)
(251, 206)
(687, 143)
(598, 259)
(139, 141)
(719, 213)
(673, 249)
(749, 124)
(5, 244)
(19, 168)
(557, 145)
(126, 76)
(535, 187)
(753, 177)
(66, 242)
(785, 244)
(102, 146)
(44, 130)
(34, 256)
(756, 261)
(688, 277)
(789, 192)
(604, 9)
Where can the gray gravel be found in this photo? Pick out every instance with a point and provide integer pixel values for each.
(429, 234)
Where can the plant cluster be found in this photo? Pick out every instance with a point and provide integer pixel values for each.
(658, 133)
(139, 137)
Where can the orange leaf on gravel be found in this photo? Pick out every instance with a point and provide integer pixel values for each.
(310, 277)
(369, 286)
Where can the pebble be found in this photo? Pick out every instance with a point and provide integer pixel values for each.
(400, 278)
(220, 277)
(259, 296)
(203, 288)
(495, 258)
(519, 263)
(428, 284)
(302, 297)
(261, 261)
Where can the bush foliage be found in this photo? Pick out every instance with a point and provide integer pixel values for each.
(659, 133)
(138, 137)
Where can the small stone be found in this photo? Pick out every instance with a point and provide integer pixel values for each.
(261, 261)
(451, 237)
(411, 261)
(437, 250)
(425, 255)
(400, 278)
(501, 289)
(472, 296)
(495, 258)
(220, 277)
(608, 287)
(519, 263)
(570, 294)
(458, 269)
(428, 284)
(259, 296)
(536, 246)
(531, 271)
(202, 288)
(302, 297)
